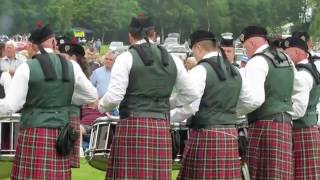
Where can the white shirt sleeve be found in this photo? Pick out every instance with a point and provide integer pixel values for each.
(119, 81)
(5, 81)
(252, 93)
(84, 92)
(186, 88)
(198, 77)
(17, 92)
(303, 83)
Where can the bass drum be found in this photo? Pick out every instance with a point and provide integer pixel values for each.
(9, 127)
(179, 135)
(101, 136)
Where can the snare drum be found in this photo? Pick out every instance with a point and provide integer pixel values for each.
(101, 136)
(9, 127)
(179, 134)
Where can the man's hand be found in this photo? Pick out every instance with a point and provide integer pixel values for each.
(12, 72)
(94, 105)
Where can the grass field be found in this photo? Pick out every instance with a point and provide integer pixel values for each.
(103, 50)
(85, 172)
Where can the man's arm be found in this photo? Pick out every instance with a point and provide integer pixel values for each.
(252, 93)
(186, 89)
(119, 81)
(303, 83)
(84, 92)
(17, 91)
(197, 77)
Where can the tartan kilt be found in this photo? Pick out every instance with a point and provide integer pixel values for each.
(211, 154)
(75, 152)
(36, 156)
(269, 154)
(141, 149)
(306, 151)
(89, 115)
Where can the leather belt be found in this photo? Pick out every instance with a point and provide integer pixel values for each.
(209, 126)
(279, 117)
(154, 115)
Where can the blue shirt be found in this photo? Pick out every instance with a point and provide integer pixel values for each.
(100, 79)
(10, 65)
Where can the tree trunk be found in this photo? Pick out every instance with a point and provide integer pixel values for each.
(208, 18)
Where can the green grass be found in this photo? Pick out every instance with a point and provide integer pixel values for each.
(5, 168)
(103, 50)
(85, 172)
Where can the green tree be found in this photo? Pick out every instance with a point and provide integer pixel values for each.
(315, 21)
(104, 15)
(60, 14)
(242, 14)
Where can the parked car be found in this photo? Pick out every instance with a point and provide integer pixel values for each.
(178, 50)
(114, 45)
(121, 49)
(174, 35)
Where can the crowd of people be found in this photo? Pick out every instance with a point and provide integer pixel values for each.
(60, 91)
(96, 68)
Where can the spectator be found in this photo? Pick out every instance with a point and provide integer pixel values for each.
(97, 45)
(100, 77)
(2, 44)
(11, 60)
(243, 61)
(77, 53)
(91, 57)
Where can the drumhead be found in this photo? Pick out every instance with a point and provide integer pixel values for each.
(98, 161)
(107, 120)
(15, 117)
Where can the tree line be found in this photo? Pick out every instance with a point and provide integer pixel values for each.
(110, 18)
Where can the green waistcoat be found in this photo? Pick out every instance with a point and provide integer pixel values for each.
(220, 97)
(278, 91)
(48, 103)
(150, 86)
(311, 116)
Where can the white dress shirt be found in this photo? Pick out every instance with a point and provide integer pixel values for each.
(120, 79)
(15, 98)
(198, 75)
(300, 98)
(7, 64)
(256, 72)
(5, 80)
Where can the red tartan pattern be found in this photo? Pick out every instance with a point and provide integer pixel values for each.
(89, 115)
(306, 151)
(75, 153)
(270, 150)
(36, 156)
(211, 154)
(141, 149)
